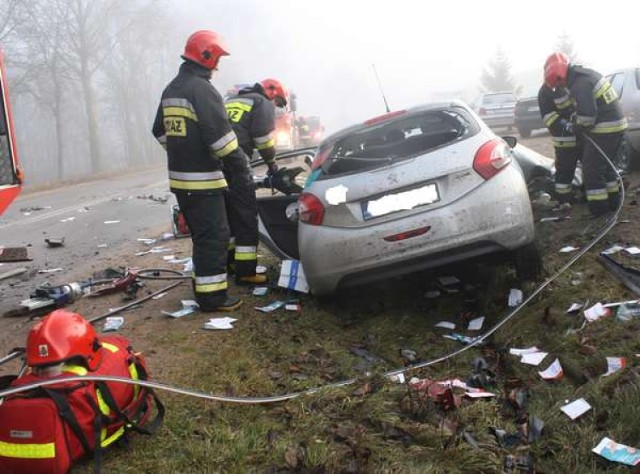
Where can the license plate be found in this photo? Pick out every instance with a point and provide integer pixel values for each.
(404, 201)
(534, 109)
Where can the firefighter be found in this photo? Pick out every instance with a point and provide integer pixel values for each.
(556, 108)
(192, 125)
(598, 115)
(252, 115)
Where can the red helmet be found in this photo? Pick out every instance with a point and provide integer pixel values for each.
(555, 70)
(275, 91)
(205, 48)
(60, 336)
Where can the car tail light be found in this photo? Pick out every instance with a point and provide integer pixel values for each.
(492, 157)
(382, 118)
(311, 209)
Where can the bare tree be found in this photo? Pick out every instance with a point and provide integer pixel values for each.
(497, 76)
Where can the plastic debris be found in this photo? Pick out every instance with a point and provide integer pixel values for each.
(54, 241)
(293, 305)
(181, 312)
(113, 323)
(575, 307)
(158, 296)
(628, 311)
(515, 297)
(576, 408)
(460, 338)
(596, 312)
(292, 276)
(615, 364)
(616, 452)
(520, 352)
(260, 291)
(270, 307)
(632, 250)
(219, 323)
(476, 324)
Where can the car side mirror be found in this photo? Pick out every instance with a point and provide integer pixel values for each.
(511, 141)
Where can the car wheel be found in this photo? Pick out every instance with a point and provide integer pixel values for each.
(625, 155)
(524, 132)
(528, 262)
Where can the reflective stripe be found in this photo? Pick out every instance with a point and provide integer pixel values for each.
(564, 142)
(179, 112)
(613, 187)
(207, 284)
(264, 142)
(563, 102)
(109, 347)
(601, 87)
(597, 195)
(610, 127)
(197, 185)
(28, 451)
(563, 188)
(75, 369)
(133, 371)
(187, 176)
(246, 253)
(225, 145)
(175, 102)
(243, 104)
(104, 408)
(585, 120)
(550, 118)
(106, 442)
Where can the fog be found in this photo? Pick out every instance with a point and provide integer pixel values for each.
(84, 111)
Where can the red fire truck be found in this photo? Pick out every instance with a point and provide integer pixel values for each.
(10, 172)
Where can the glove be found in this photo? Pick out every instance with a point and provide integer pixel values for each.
(568, 129)
(272, 168)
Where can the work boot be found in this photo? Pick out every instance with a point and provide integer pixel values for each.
(230, 304)
(251, 280)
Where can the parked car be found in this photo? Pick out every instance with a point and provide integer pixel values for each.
(527, 116)
(403, 192)
(626, 82)
(497, 109)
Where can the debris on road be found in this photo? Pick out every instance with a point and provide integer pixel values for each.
(111, 222)
(54, 241)
(113, 323)
(14, 254)
(219, 323)
(12, 273)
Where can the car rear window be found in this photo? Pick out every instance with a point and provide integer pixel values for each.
(403, 137)
(498, 98)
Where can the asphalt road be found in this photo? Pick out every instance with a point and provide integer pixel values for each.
(84, 215)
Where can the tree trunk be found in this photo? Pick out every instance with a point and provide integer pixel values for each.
(92, 123)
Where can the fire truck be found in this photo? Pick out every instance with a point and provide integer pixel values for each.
(10, 172)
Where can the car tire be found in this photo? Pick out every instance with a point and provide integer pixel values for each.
(524, 132)
(528, 262)
(624, 159)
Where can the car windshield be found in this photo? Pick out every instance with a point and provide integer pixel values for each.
(498, 98)
(393, 140)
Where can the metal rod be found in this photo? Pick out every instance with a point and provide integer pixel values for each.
(11, 356)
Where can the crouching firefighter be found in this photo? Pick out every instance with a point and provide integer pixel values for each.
(598, 116)
(252, 116)
(192, 125)
(556, 108)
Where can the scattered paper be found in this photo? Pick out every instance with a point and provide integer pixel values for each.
(612, 250)
(553, 372)
(292, 276)
(50, 270)
(534, 358)
(189, 303)
(261, 269)
(574, 307)
(576, 408)
(270, 307)
(596, 312)
(293, 306)
(520, 352)
(181, 312)
(113, 323)
(568, 249)
(609, 449)
(398, 378)
(68, 219)
(446, 325)
(515, 297)
(260, 291)
(147, 241)
(111, 222)
(615, 364)
(476, 324)
(219, 323)
(632, 250)
(158, 296)
(166, 258)
(460, 338)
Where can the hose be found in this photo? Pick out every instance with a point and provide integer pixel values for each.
(289, 396)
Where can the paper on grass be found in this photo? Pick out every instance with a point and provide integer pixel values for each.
(520, 352)
(609, 449)
(615, 364)
(632, 250)
(613, 249)
(576, 408)
(553, 372)
(533, 358)
(596, 312)
(446, 325)
(515, 297)
(568, 248)
(476, 324)
(220, 323)
(574, 307)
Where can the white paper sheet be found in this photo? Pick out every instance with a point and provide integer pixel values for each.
(476, 324)
(615, 364)
(534, 358)
(220, 323)
(553, 372)
(520, 352)
(446, 325)
(576, 408)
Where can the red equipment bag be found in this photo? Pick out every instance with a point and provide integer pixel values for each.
(47, 429)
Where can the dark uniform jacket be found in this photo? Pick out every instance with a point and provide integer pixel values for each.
(556, 107)
(191, 123)
(598, 109)
(252, 116)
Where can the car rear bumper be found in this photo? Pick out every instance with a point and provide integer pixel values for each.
(476, 224)
(498, 120)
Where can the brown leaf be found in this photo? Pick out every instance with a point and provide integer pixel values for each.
(362, 391)
(291, 456)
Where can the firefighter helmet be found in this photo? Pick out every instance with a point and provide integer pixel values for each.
(556, 68)
(205, 47)
(275, 91)
(61, 336)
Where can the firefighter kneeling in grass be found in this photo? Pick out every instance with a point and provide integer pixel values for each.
(192, 125)
(252, 115)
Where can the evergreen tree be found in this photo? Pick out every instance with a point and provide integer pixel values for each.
(564, 44)
(496, 77)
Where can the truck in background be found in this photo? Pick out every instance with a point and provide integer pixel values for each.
(10, 172)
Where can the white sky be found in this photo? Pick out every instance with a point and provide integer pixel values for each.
(323, 49)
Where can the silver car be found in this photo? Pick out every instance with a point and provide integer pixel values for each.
(497, 109)
(403, 192)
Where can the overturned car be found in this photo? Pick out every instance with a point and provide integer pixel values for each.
(403, 192)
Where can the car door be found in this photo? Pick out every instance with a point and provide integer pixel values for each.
(278, 212)
(10, 178)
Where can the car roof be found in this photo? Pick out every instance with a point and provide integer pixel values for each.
(442, 105)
